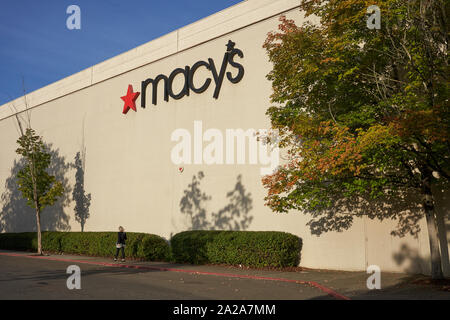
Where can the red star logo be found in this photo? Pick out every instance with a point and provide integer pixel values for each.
(130, 100)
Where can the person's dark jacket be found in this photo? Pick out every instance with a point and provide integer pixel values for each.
(121, 237)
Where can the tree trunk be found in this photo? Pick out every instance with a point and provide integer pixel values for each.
(428, 205)
(443, 242)
(38, 225)
(436, 269)
(36, 205)
(38, 216)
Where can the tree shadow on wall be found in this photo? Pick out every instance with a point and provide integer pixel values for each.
(17, 216)
(233, 216)
(193, 203)
(82, 200)
(411, 260)
(406, 210)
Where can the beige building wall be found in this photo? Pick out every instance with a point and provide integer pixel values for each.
(128, 168)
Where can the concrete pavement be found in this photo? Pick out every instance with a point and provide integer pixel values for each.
(26, 276)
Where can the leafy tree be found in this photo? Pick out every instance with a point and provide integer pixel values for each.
(39, 188)
(363, 114)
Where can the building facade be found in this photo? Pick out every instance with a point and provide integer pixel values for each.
(161, 140)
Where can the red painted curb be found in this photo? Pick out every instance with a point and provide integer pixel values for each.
(231, 275)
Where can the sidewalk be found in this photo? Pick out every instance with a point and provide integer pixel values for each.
(339, 284)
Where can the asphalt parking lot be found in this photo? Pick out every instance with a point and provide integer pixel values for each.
(27, 276)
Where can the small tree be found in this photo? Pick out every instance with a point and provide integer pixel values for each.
(39, 188)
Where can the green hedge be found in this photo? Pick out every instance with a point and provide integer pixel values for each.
(139, 245)
(26, 241)
(248, 248)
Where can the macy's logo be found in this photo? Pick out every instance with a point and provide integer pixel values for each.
(188, 73)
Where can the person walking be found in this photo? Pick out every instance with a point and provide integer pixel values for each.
(120, 245)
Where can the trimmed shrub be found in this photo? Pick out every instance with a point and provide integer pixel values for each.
(139, 245)
(249, 248)
(190, 246)
(24, 241)
(153, 248)
(51, 241)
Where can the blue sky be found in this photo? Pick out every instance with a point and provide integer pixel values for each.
(36, 45)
